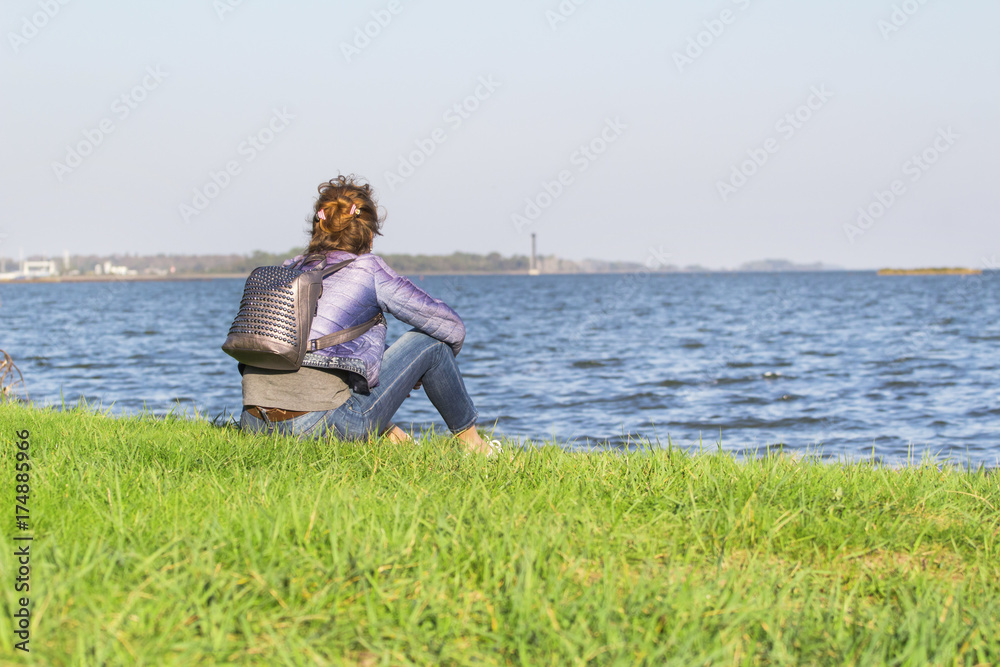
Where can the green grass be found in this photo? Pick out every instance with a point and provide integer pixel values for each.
(162, 542)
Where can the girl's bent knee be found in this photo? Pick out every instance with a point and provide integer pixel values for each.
(420, 339)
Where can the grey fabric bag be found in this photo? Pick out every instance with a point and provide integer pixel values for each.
(279, 302)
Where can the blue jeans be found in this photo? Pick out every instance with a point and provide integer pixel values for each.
(415, 357)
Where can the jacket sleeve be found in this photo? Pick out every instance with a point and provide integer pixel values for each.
(408, 303)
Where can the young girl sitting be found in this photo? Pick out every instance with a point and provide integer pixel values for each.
(353, 389)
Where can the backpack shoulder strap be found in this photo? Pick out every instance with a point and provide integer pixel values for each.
(344, 335)
(327, 269)
(330, 270)
(309, 257)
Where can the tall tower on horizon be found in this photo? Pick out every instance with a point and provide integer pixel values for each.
(533, 266)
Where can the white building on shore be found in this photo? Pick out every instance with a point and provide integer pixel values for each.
(109, 269)
(32, 269)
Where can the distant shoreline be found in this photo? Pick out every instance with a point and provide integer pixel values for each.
(957, 271)
(214, 276)
(123, 279)
(187, 277)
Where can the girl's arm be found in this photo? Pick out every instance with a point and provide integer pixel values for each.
(408, 303)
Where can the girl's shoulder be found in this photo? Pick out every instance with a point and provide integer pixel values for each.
(365, 262)
(368, 259)
(359, 260)
(344, 254)
(368, 263)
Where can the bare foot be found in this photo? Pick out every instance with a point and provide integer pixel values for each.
(398, 435)
(473, 442)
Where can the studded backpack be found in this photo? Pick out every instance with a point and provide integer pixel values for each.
(271, 329)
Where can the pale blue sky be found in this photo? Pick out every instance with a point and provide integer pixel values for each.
(676, 132)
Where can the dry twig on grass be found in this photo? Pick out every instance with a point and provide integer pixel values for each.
(8, 383)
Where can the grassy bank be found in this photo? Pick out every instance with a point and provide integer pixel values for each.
(170, 542)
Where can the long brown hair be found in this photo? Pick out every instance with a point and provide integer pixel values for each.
(352, 221)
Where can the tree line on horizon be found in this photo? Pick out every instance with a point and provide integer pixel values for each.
(459, 262)
(456, 262)
(402, 263)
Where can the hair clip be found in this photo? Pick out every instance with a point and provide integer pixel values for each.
(353, 208)
(321, 214)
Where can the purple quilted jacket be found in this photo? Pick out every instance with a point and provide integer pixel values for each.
(355, 294)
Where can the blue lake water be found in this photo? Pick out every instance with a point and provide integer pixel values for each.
(849, 364)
